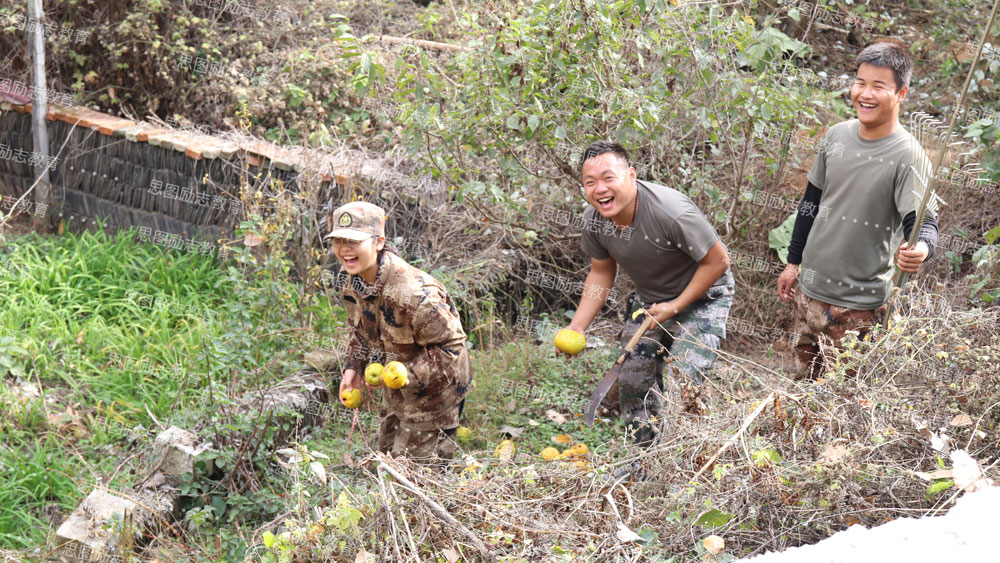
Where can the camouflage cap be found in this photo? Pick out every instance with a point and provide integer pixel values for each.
(358, 220)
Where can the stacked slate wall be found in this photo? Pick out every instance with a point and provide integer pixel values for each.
(121, 173)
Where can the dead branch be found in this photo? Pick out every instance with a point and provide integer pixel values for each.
(438, 510)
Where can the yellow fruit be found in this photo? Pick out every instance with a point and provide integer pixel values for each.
(549, 453)
(464, 433)
(373, 374)
(351, 398)
(579, 449)
(394, 375)
(570, 341)
(505, 451)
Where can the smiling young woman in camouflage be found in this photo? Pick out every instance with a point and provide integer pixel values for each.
(399, 313)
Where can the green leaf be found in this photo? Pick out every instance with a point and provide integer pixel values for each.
(269, 539)
(794, 14)
(713, 519)
(781, 236)
(560, 132)
(513, 122)
(533, 122)
(648, 536)
(938, 486)
(992, 235)
(765, 456)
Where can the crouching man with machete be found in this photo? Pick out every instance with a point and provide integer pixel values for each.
(681, 273)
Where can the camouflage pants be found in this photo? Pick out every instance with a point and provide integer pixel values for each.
(691, 339)
(417, 441)
(815, 320)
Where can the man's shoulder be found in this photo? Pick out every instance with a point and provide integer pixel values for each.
(844, 127)
(667, 203)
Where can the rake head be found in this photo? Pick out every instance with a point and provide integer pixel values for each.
(929, 135)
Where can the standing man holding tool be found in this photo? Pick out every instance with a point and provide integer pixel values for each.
(861, 188)
(681, 272)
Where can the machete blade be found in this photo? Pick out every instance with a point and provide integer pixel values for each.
(597, 397)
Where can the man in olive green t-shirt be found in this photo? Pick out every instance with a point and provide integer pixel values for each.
(859, 205)
(680, 269)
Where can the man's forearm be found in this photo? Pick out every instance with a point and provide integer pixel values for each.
(703, 279)
(595, 292)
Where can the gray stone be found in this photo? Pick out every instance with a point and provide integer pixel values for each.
(84, 531)
(175, 451)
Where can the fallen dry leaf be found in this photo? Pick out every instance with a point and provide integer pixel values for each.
(939, 474)
(514, 431)
(968, 474)
(554, 416)
(562, 439)
(364, 557)
(939, 443)
(319, 471)
(626, 535)
(713, 544)
(532, 422)
(451, 554)
(252, 239)
(963, 51)
(961, 420)
(832, 453)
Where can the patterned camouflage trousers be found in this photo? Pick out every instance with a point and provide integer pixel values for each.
(816, 320)
(421, 442)
(691, 340)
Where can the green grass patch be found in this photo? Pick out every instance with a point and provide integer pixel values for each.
(106, 330)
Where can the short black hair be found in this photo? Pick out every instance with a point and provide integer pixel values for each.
(893, 56)
(602, 147)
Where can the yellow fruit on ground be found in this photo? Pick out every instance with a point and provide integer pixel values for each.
(570, 341)
(351, 398)
(579, 449)
(373, 374)
(394, 375)
(549, 453)
(463, 433)
(505, 451)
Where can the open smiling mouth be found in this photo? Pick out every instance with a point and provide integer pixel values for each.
(866, 106)
(606, 202)
(350, 260)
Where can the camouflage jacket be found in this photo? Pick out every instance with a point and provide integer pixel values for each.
(407, 316)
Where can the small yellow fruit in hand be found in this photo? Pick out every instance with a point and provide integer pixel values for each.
(373, 374)
(394, 375)
(570, 341)
(549, 453)
(464, 433)
(351, 398)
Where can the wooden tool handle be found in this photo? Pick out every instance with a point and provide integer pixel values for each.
(646, 323)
